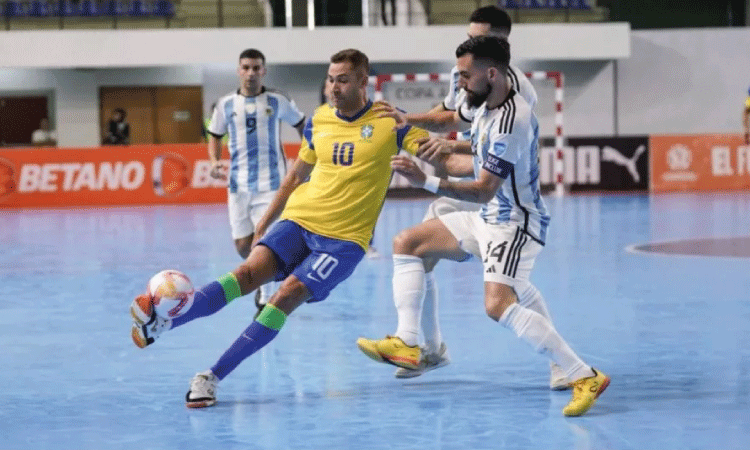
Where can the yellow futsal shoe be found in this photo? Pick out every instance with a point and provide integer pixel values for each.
(391, 350)
(395, 351)
(369, 348)
(585, 392)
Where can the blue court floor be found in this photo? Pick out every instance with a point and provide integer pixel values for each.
(671, 330)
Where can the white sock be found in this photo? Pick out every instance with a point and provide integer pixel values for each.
(430, 320)
(530, 297)
(533, 328)
(408, 292)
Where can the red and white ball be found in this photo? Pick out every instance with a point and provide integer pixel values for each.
(172, 293)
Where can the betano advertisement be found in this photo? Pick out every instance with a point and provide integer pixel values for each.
(173, 174)
(707, 162)
(133, 175)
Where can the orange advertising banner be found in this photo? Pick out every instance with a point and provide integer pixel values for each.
(108, 176)
(707, 162)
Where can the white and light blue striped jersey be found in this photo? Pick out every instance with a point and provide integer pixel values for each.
(257, 161)
(505, 142)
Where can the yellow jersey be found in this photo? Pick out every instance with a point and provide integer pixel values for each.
(747, 104)
(347, 186)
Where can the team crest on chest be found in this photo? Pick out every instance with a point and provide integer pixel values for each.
(269, 111)
(366, 131)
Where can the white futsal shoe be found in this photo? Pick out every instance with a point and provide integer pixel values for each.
(202, 391)
(147, 326)
(428, 362)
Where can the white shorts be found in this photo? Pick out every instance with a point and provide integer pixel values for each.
(245, 210)
(507, 253)
(445, 205)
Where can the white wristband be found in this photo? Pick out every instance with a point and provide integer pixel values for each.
(431, 183)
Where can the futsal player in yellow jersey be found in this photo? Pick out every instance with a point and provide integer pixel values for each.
(746, 118)
(324, 227)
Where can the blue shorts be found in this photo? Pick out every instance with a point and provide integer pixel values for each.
(320, 263)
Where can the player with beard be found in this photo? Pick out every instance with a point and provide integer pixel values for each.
(507, 233)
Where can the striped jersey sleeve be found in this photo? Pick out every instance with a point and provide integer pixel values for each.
(287, 109)
(504, 143)
(218, 126)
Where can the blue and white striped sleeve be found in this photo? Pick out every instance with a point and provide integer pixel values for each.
(218, 126)
(290, 113)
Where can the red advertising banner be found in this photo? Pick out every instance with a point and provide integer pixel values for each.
(132, 175)
(708, 162)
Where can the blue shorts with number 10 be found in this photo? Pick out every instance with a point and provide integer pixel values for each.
(320, 262)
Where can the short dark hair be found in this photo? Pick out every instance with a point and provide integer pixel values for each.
(492, 49)
(492, 15)
(357, 59)
(253, 53)
(121, 111)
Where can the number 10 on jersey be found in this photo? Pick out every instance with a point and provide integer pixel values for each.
(343, 154)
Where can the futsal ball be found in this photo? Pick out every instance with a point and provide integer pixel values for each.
(172, 293)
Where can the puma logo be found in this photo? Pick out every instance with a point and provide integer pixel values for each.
(613, 155)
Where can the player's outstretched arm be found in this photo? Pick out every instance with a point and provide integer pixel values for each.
(439, 122)
(434, 148)
(480, 191)
(296, 176)
(459, 165)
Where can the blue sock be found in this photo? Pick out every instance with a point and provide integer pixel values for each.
(208, 300)
(256, 336)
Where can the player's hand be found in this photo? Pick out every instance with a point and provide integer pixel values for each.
(409, 169)
(385, 109)
(433, 149)
(218, 171)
